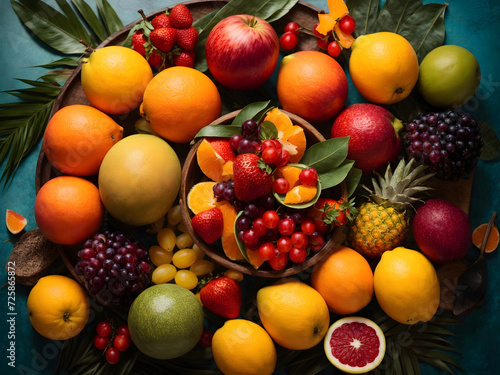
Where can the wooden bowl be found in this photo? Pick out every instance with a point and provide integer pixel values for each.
(191, 174)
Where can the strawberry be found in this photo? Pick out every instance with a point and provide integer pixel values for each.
(160, 21)
(180, 16)
(250, 180)
(187, 38)
(328, 212)
(184, 58)
(208, 224)
(137, 42)
(163, 38)
(156, 60)
(222, 147)
(222, 296)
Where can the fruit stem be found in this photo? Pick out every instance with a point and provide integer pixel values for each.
(141, 12)
(487, 233)
(89, 49)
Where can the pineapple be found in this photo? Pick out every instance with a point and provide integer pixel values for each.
(382, 223)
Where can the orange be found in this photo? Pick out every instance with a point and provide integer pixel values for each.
(68, 210)
(114, 79)
(179, 101)
(212, 163)
(292, 137)
(289, 173)
(77, 137)
(58, 307)
(383, 67)
(243, 347)
(318, 78)
(201, 197)
(493, 238)
(300, 194)
(345, 280)
(15, 222)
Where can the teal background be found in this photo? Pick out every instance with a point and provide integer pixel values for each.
(473, 25)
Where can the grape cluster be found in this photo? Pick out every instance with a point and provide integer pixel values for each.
(249, 140)
(448, 142)
(116, 267)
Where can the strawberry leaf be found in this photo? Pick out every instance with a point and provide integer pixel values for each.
(264, 166)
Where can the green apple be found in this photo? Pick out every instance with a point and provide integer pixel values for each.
(449, 76)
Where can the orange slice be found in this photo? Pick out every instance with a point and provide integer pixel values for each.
(15, 222)
(201, 197)
(300, 194)
(493, 238)
(292, 137)
(229, 244)
(345, 40)
(212, 164)
(289, 173)
(327, 21)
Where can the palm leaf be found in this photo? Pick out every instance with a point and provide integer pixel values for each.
(111, 20)
(91, 19)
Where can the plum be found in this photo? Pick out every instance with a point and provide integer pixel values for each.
(442, 231)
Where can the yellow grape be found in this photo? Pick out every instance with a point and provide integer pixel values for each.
(202, 267)
(186, 279)
(200, 254)
(184, 258)
(164, 273)
(233, 274)
(158, 255)
(184, 240)
(174, 215)
(166, 239)
(182, 228)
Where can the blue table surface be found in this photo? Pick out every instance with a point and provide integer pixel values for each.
(473, 25)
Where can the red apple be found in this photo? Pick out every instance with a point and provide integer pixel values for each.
(242, 52)
(442, 231)
(373, 131)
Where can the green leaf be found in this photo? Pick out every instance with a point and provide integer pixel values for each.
(282, 9)
(220, 130)
(49, 25)
(57, 76)
(76, 26)
(64, 62)
(250, 112)
(393, 14)
(325, 156)
(111, 20)
(424, 29)
(241, 244)
(335, 176)
(352, 180)
(365, 13)
(268, 130)
(491, 147)
(91, 19)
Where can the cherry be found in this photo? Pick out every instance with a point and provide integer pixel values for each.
(289, 40)
(347, 24)
(299, 239)
(307, 227)
(100, 342)
(103, 328)
(278, 261)
(121, 342)
(284, 244)
(281, 185)
(308, 176)
(334, 49)
(259, 227)
(322, 43)
(250, 237)
(283, 159)
(271, 219)
(286, 227)
(316, 32)
(267, 143)
(316, 241)
(112, 356)
(270, 155)
(293, 27)
(123, 330)
(297, 254)
(267, 251)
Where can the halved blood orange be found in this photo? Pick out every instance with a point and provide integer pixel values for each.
(355, 344)
(15, 222)
(492, 241)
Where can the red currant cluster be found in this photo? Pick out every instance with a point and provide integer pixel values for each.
(113, 341)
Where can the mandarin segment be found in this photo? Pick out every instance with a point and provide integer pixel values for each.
(228, 239)
(212, 164)
(345, 40)
(289, 173)
(15, 222)
(201, 197)
(300, 194)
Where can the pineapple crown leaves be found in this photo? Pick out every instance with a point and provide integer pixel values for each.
(399, 188)
(331, 213)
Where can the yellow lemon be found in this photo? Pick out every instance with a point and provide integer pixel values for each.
(241, 347)
(114, 79)
(383, 67)
(406, 286)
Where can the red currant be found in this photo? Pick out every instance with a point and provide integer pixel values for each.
(270, 155)
(322, 43)
(289, 40)
(297, 254)
(267, 251)
(347, 24)
(307, 227)
(293, 27)
(278, 261)
(281, 185)
(123, 330)
(259, 227)
(103, 328)
(308, 176)
(286, 227)
(283, 159)
(121, 342)
(271, 219)
(299, 239)
(206, 338)
(316, 32)
(100, 342)
(112, 356)
(277, 144)
(334, 49)
(266, 144)
(284, 244)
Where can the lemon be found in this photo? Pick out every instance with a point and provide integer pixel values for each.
(383, 67)
(407, 286)
(114, 79)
